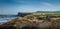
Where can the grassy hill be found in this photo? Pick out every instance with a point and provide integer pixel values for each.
(48, 11)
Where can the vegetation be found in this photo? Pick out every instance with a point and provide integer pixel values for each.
(37, 20)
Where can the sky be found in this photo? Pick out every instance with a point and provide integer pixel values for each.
(15, 6)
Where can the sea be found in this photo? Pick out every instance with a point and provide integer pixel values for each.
(7, 18)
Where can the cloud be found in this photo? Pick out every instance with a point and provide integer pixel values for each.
(46, 4)
(48, 7)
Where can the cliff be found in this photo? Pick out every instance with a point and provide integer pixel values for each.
(23, 14)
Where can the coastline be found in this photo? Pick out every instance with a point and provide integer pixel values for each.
(33, 21)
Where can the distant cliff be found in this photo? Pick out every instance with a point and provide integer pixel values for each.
(23, 14)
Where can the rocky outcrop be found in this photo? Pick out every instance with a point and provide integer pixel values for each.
(23, 14)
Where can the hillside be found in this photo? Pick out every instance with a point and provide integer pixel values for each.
(36, 21)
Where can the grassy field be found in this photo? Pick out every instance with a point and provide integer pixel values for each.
(52, 17)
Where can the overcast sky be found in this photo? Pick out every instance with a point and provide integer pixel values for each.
(15, 6)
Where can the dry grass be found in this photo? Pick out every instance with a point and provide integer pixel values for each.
(32, 20)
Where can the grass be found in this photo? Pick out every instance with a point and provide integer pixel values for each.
(36, 18)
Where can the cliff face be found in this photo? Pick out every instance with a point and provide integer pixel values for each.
(23, 14)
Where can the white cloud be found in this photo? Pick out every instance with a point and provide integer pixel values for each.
(46, 4)
(48, 7)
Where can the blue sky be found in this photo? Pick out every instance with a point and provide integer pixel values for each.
(15, 6)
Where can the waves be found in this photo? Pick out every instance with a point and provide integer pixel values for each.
(6, 19)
